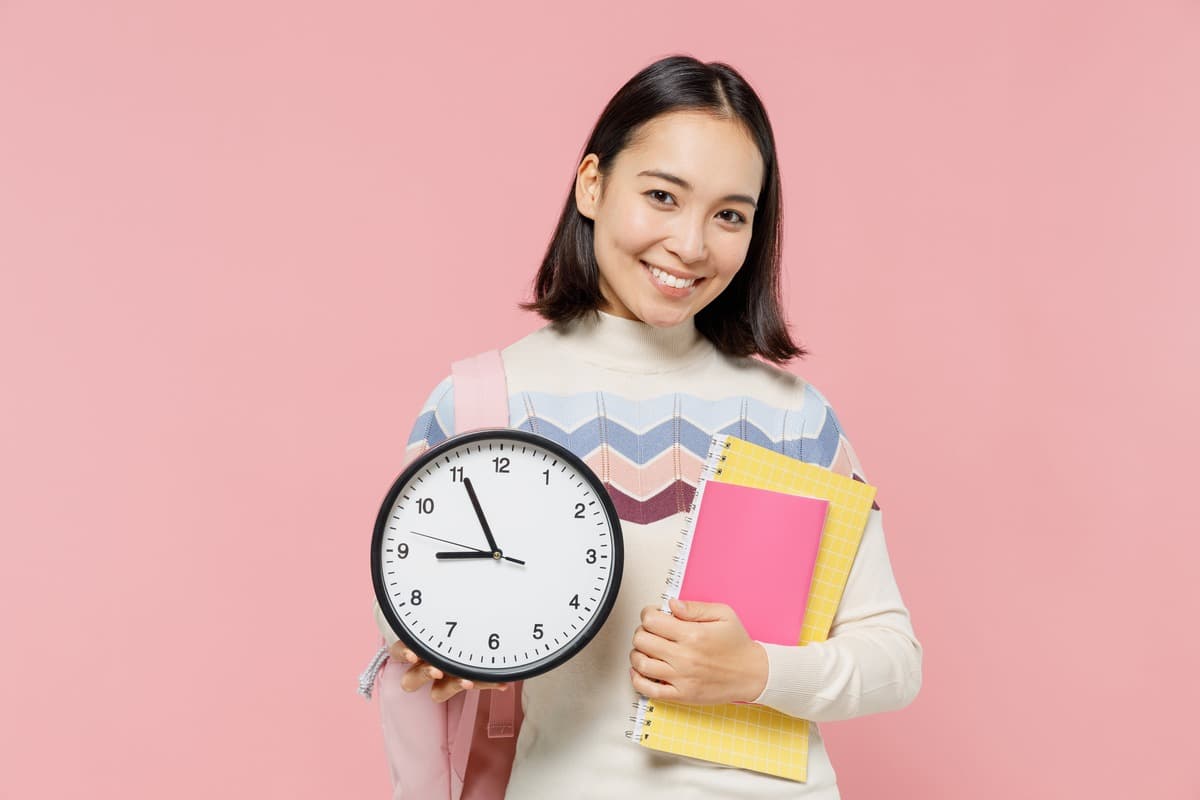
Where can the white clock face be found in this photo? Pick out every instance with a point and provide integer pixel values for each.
(512, 605)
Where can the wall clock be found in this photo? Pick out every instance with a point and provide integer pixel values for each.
(497, 555)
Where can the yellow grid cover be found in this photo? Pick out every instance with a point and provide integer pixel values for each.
(743, 734)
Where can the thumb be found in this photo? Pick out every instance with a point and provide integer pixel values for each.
(696, 611)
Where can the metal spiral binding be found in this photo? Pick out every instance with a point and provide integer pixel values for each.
(726, 445)
(640, 723)
(674, 579)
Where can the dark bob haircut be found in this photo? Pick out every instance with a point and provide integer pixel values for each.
(744, 319)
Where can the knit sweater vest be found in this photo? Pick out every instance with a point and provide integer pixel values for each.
(639, 405)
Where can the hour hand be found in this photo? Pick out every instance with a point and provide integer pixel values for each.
(478, 554)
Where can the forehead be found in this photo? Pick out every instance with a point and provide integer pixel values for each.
(717, 156)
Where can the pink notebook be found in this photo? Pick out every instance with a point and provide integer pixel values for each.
(754, 550)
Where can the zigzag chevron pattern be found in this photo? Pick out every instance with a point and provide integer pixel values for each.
(649, 453)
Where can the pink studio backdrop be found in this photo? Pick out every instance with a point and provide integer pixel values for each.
(242, 241)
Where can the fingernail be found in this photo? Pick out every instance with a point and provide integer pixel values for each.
(467, 684)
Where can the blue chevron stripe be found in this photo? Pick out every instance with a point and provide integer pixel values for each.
(809, 433)
(436, 419)
(571, 411)
(818, 448)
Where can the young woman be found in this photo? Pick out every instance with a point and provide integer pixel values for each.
(660, 286)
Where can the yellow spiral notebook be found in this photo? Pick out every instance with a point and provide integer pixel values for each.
(743, 734)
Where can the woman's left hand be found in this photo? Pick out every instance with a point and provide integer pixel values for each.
(699, 653)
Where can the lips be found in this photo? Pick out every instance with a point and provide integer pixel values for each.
(672, 273)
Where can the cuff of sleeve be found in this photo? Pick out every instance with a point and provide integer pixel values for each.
(793, 675)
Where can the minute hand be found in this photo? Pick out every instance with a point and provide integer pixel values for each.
(487, 531)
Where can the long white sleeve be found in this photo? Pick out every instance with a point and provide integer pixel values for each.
(871, 661)
(385, 630)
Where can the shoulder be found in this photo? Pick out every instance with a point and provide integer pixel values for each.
(435, 420)
(775, 385)
(812, 418)
(535, 340)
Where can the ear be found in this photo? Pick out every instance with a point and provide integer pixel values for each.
(587, 185)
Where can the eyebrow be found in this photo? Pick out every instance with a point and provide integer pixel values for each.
(666, 176)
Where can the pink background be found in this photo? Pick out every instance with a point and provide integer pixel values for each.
(242, 241)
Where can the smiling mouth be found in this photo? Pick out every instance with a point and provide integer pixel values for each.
(667, 279)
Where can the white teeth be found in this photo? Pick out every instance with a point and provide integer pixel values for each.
(671, 280)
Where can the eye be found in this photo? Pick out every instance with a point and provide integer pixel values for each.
(739, 217)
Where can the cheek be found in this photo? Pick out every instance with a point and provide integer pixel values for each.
(729, 255)
(636, 230)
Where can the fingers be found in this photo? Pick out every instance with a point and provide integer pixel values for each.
(443, 686)
(449, 686)
(662, 624)
(650, 667)
(652, 689)
(654, 645)
(400, 652)
(419, 674)
(442, 690)
(697, 611)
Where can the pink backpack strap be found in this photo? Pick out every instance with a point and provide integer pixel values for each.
(500, 715)
(460, 748)
(481, 401)
(418, 733)
(480, 392)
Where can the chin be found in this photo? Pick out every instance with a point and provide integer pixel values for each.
(664, 318)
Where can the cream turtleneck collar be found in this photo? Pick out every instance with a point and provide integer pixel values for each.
(630, 345)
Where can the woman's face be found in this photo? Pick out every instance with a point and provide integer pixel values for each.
(681, 200)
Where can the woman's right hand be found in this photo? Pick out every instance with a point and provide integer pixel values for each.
(421, 672)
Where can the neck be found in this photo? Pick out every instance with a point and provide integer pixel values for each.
(630, 345)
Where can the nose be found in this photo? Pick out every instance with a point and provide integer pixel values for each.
(687, 240)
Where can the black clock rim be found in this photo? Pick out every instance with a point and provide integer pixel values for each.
(538, 667)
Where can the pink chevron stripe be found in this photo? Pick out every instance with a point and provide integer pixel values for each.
(640, 483)
(658, 474)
